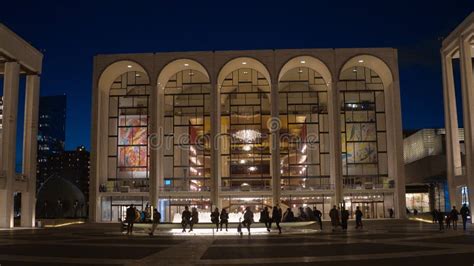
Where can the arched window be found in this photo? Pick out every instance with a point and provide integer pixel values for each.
(128, 153)
(304, 132)
(186, 132)
(363, 127)
(245, 112)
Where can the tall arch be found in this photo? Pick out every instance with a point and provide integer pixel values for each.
(369, 132)
(304, 131)
(244, 86)
(121, 143)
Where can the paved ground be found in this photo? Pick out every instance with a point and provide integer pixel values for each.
(387, 242)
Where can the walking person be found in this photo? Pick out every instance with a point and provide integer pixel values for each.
(344, 218)
(185, 218)
(454, 217)
(265, 218)
(390, 212)
(156, 221)
(194, 218)
(215, 218)
(302, 215)
(440, 219)
(248, 218)
(464, 214)
(448, 220)
(334, 215)
(224, 219)
(276, 217)
(358, 215)
(318, 214)
(130, 219)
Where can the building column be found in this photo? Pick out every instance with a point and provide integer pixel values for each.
(7, 164)
(397, 161)
(274, 126)
(335, 151)
(215, 143)
(453, 153)
(155, 139)
(30, 132)
(468, 111)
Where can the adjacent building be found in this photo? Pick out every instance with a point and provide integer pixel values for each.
(458, 47)
(51, 133)
(425, 170)
(18, 60)
(230, 129)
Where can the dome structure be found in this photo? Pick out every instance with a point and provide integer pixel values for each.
(56, 199)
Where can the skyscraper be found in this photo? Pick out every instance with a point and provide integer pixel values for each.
(51, 132)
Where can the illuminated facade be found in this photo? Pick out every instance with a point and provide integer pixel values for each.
(458, 48)
(312, 127)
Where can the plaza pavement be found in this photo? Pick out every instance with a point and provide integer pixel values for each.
(386, 242)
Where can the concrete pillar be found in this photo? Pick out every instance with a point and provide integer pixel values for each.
(467, 86)
(154, 145)
(28, 198)
(274, 127)
(7, 164)
(453, 153)
(335, 150)
(395, 126)
(215, 141)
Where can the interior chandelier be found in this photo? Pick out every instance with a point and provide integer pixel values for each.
(247, 135)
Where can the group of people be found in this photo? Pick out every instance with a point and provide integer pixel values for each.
(189, 218)
(132, 215)
(267, 220)
(340, 217)
(304, 214)
(451, 218)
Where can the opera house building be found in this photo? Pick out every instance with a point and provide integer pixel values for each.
(231, 129)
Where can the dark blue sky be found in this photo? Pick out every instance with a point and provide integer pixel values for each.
(70, 33)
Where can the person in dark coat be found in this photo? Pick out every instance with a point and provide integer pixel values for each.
(390, 212)
(302, 215)
(334, 215)
(440, 218)
(194, 218)
(318, 215)
(265, 218)
(185, 218)
(215, 218)
(156, 221)
(358, 215)
(224, 219)
(288, 216)
(464, 214)
(454, 217)
(248, 219)
(344, 218)
(276, 217)
(309, 214)
(130, 218)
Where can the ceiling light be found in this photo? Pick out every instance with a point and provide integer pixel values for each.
(247, 135)
(137, 75)
(129, 66)
(191, 73)
(300, 71)
(361, 61)
(303, 62)
(354, 70)
(245, 72)
(252, 168)
(186, 64)
(247, 148)
(242, 161)
(244, 63)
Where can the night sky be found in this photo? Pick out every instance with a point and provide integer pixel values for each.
(70, 33)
